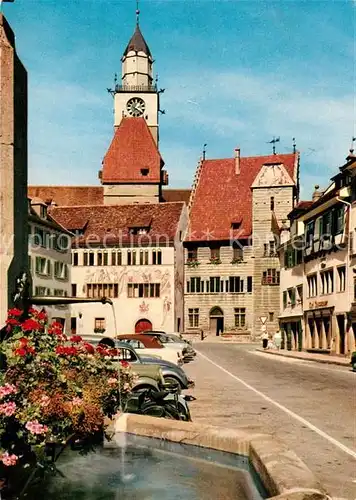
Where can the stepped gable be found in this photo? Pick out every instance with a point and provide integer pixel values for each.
(133, 156)
(121, 224)
(223, 197)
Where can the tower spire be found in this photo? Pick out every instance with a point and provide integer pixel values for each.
(137, 13)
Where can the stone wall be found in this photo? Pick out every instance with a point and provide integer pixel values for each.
(13, 167)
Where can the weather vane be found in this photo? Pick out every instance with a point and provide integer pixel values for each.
(204, 151)
(294, 145)
(352, 145)
(274, 141)
(137, 13)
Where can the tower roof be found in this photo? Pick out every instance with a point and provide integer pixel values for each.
(137, 43)
(133, 155)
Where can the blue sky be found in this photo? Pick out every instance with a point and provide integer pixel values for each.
(236, 73)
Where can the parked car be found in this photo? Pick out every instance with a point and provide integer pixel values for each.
(148, 345)
(353, 361)
(172, 373)
(173, 339)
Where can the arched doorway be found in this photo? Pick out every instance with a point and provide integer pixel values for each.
(142, 325)
(216, 321)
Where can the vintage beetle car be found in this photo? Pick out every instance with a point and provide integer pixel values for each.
(148, 345)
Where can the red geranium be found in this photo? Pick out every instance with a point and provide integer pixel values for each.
(124, 363)
(42, 316)
(23, 342)
(30, 325)
(20, 352)
(89, 348)
(12, 322)
(14, 312)
(76, 339)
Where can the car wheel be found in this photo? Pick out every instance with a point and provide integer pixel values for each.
(354, 367)
(174, 382)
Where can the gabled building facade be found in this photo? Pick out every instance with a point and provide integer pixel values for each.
(236, 209)
(132, 254)
(49, 259)
(319, 256)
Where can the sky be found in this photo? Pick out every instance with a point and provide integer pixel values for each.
(235, 73)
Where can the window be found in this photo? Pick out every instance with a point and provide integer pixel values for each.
(192, 253)
(59, 293)
(74, 290)
(143, 257)
(291, 297)
(195, 285)
(131, 258)
(271, 316)
(327, 281)
(284, 299)
(272, 203)
(240, 317)
(272, 248)
(214, 284)
(309, 233)
(270, 277)
(300, 294)
(238, 254)
(30, 263)
(312, 285)
(249, 284)
(85, 259)
(116, 258)
(99, 325)
(193, 317)
(99, 290)
(214, 253)
(341, 271)
(156, 257)
(102, 259)
(145, 171)
(41, 291)
(39, 238)
(236, 284)
(91, 258)
(75, 259)
(338, 220)
(140, 290)
(43, 266)
(61, 270)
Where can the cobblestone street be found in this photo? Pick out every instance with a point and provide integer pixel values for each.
(309, 405)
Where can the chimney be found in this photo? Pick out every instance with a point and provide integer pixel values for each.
(317, 194)
(237, 161)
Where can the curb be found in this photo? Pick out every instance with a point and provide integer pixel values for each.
(279, 468)
(325, 361)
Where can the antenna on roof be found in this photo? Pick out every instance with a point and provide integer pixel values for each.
(294, 145)
(273, 141)
(352, 145)
(137, 13)
(204, 151)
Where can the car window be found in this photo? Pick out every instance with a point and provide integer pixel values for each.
(127, 355)
(133, 342)
(162, 339)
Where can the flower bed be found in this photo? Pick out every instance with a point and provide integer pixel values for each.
(53, 389)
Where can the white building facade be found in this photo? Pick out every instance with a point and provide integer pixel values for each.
(49, 260)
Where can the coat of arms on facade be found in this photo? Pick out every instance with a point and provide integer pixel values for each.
(144, 307)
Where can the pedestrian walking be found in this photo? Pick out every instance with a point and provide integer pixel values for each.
(264, 340)
(277, 339)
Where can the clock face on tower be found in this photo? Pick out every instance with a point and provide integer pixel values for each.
(135, 106)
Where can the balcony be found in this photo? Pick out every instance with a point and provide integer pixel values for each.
(135, 88)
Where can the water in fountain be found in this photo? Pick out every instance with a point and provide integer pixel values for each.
(121, 439)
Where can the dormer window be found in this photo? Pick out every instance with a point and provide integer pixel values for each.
(43, 212)
(145, 172)
(236, 225)
(139, 230)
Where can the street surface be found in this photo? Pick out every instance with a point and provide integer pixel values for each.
(311, 406)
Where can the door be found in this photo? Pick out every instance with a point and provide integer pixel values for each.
(341, 325)
(73, 325)
(216, 321)
(143, 325)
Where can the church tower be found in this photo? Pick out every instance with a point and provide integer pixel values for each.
(137, 95)
(132, 169)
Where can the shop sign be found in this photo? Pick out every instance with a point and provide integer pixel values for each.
(318, 303)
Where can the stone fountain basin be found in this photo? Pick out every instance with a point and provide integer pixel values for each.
(281, 474)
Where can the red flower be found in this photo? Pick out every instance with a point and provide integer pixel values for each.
(124, 363)
(12, 322)
(23, 342)
(30, 325)
(42, 316)
(102, 351)
(14, 312)
(113, 352)
(20, 352)
(57, 325)
(31, 350)
(75, 339)
(89, 348)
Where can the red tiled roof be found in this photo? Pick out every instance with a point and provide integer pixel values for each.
(137, 43)
(111, 223)
(132, 150)
(223, 197)
(68, 195)
(176, 195)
